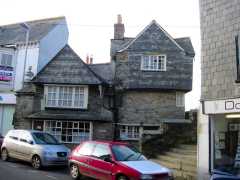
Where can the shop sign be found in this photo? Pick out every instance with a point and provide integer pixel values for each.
(6, 73)
(222, 106)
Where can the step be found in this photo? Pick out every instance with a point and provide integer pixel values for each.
(188, 146)
(177, 166)
(183, 151)
(180, 156)
(189, 161)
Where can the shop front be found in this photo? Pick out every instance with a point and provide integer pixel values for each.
(224, 134)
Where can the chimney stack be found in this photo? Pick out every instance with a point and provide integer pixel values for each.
(87, 59)
(119, 28)
(91, 59)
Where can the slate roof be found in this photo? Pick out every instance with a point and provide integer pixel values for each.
(63, 114)
(15, 34)
(104, 71)
(67, 68)
(125, 44)
(186, 44)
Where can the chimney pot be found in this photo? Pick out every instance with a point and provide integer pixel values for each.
(87, 59)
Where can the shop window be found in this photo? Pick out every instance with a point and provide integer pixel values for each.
(68, 131)
(226, 145)
(66, 96)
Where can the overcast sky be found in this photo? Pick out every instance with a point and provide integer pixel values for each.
(91, 22)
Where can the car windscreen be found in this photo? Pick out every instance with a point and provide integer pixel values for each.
(127, 153)
(44, 138)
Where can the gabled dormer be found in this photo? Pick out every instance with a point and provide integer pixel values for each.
(153, 60)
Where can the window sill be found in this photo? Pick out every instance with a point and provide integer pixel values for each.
(69, 108)
(147, 70)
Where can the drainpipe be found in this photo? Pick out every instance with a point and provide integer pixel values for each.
(115, 115)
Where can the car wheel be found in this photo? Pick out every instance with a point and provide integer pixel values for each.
(74, 171)
(36, 162)
(122, 177)
(4, 154)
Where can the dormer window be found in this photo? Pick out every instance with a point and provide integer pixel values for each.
(153, 63)
(66, 96)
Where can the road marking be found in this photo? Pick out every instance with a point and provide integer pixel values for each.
(51, 177)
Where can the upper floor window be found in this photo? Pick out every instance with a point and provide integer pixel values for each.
(66, 96)
(154, 63)
(6, 59)
(180, 99)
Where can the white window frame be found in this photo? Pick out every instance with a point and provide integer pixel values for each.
(133, 135)
(73, 97)
(180, 99)
(75, 132)
(7, 53)
(151, 66)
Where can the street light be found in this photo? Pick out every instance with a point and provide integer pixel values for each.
(26, 27)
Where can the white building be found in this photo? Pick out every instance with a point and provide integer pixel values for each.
(46, 38)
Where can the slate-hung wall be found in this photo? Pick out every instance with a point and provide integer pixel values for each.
(150, 96)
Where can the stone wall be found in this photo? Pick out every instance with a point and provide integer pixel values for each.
(149, 107)
(220, 23)
(102, 131)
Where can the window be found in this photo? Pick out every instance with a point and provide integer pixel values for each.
(66, 96)
(180, 99)
(101, 151)
(68, 131)
(86, 149)
(6, 59)
(154, 63)
(129, 132)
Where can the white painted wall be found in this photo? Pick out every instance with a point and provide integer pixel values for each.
(203, 146)
(32, 60)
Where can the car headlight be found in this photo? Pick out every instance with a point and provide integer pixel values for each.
(49, 153)
(146, 176)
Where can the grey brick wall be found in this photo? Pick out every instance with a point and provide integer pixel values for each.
(220, 23)
(149, 107)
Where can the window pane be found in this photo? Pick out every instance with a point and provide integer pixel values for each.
(101, 151)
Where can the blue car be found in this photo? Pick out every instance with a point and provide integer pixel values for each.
(223, 175)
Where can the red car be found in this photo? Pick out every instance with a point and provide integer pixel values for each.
(113, 161)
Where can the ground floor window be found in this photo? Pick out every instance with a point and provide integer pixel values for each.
(129, 132)
(67, 131)
(225, 140)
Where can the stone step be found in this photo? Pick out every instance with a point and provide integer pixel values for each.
(179, 174)
(178, 155)
(178, 166)
(184, 151)
(185, 160)
(187, 146)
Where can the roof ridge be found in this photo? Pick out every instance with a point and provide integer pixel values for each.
(37, 20)
(183, 37)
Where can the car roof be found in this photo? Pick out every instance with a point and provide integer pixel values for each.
(25, 130)
(109, 142)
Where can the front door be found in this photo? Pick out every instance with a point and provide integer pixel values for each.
(101, 169)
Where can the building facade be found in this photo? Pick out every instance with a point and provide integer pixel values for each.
(142, 86)
(218, 135)
(153, 71)
(23, 53)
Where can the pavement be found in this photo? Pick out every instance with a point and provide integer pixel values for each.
(18, 170)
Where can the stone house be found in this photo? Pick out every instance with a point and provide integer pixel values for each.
(23, 47)
(142, 86)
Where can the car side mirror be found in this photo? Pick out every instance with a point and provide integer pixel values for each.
(108, 159)
(30, 142)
